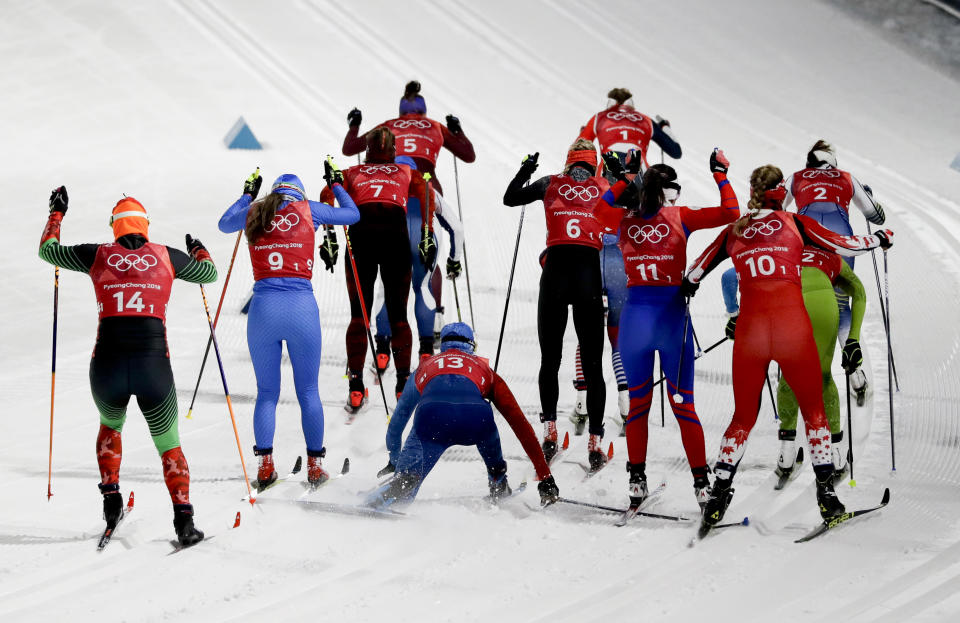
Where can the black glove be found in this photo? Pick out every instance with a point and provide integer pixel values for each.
(731, 327)
(252, 185)
(718, 162)
(389, 469)
(354, 117)
(852, 356)
(868, 190)
(612, 162)
(453, 124)
(886, 238)
(662, 122)
(59, 200)
(634, 161)
(549, 491)
(688, 288)
(428, 249)
(329, 249)
(196, 249)
(529, 164)
(453, 268)
(331, 173)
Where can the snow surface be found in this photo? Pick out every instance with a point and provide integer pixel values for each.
(119, 97)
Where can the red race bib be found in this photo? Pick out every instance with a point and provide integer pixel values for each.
(378, 183)
(417, 137)
(286, 249)
(769, 248)
(621, 128)
(829, 263)
(654, 250)
(569, 208)
(822, 185)
(132, 282)
(456, 362)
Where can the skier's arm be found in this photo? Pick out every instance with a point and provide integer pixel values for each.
(517, 194)
(196, 268)
(710, 258)
(398, 421)
(506, 404)
(458, 144)
(704, 218)
(235, 218)
(589, 130)
(453, 226)
(354, 142)
(870, 209)
(729, 284)
(848, 281)
(816, 234)
(663, 136)
(346, 214)
(418, 189)
(788, 184)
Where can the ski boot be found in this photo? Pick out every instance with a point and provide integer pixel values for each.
(400, 488)
(716, 506)
(402, 377)
(316, 475)
(112, 504)
(623, 402)
(382, 357)
(788, 453)
(497, 480)
(840, 466)
(187, 533)
(579, 414)
(437, 325)
(266, 472)
(858, 383)
(701, 485)
(830, 504)
(358, 393)
(549, 438)
(637, 488)
(596, 457)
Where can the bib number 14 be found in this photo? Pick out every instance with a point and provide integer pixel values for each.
(135, 302)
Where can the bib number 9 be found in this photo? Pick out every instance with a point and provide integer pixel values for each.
(275, 260)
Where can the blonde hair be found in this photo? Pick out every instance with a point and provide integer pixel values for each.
(580, 145)
(261, 215)
(761, 180)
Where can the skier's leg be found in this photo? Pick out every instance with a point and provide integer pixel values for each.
(264, 340)
(588, 323)
(111, 394)
(304, 342)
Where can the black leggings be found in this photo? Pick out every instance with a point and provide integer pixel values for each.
(571, 276)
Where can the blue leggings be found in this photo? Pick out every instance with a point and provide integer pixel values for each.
(437, 425)
(424, 303)
(836, 219)
(275, 317)
(614, 279)
(653, 320)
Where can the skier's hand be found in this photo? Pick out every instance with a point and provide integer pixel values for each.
(549, 491)
(59, 200)
(252, 184)
(428, 249)
(612, 162)
(662, 122)
(453, 268)
(718, 162)
(389, 469)
(868, 190)
(731, 327)
(196, 249)
(852, 356)
(354, 117)
(329, 249)
(688, 288)
(453, 124)
(633, 162)
(529, 164)
(331, 173)
(886, 238)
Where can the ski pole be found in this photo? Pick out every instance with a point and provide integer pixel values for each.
(890, 369)
(216, 318)
(466, 265)
(53, 376)
(883, 310)
(663, 375)
(696, 341)
(506, 305)
(226, 393)
(705, 351)
(853, 482)
(773, 400)
(683, 346)
(456, 299)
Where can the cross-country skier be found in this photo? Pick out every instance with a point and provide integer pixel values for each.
(417, 136)
(571, 277)
(766, 247)
(620, 128)
(449, 393)
(280, 231)
(653, 239)
(132, 278)
(821, 271)
(824, 193)
(379, 240)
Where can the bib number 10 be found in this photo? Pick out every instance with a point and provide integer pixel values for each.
(764, 266)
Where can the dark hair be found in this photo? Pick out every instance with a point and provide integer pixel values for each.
(820, 145)
(762, 179)
(619, 95)
(411, 90)
(261, 215)
(651, 194)
(381, 145)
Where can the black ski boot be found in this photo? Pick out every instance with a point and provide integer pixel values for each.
(112, 504)
(830, 504)
(550, 437)
(788, 453)
(402, 376)
(497, 480)
(399, 489)
(701, 485)
(187, 533)
(720, 496)
(637, 488)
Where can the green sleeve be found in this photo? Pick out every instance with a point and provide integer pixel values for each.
(188, 269)
(78, 257)
(848, 281)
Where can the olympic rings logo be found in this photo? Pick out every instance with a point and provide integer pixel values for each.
(284, 222)
(420, 124)
(379, 168)
(812, 173)
(764, 228)
(126, 262)
(629, 116)
(583, 193)
(648, 233)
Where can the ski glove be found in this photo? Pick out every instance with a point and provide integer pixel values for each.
(354, 117)
(662, 122)
(612, 162)
(252, 185)
(331, 173)
(886, 238)
(329, 249)
(428, 249)
(59, 200)
(731, 327)
(718, 162)
(549, 491)
(453, 124)
(852, 356)
(389, 469)
(633, 162)
(196, 249)
(529, 164)
(453, 268)
(688, 288)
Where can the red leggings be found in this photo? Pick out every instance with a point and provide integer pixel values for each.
(774, 326)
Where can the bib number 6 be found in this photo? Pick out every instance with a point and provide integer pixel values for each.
(573, 228)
